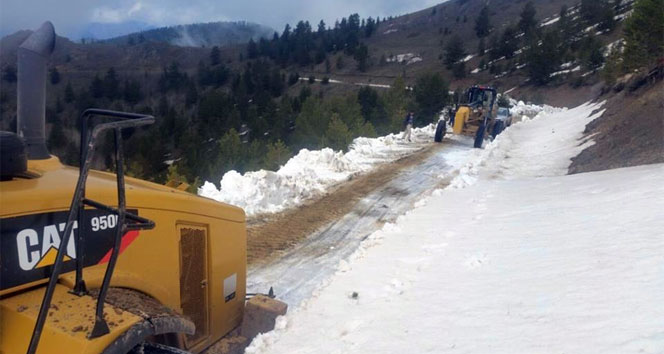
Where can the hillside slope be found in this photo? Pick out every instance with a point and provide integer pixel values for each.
(629, 133)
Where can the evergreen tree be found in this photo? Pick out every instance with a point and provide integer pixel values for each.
(369, 27)
(459, 70)
(9, 73)
(481, 47)
(276, 156)
(396, 101)
(509, 43)
(483, 23)
(598, 12)
(111, 84)
(431, 95)
(54, 75)
(56, 138)
(252, 49)
(215, 56)
(644, 31)
(69, 93)
(543, 58)
(592, 55)
(230, 152)
(310, 124)
(454, 51)
(362, 57)
(132, 92)
(337, 136)
(97, 87)
(527, 22)
(340, 62)
(328, 66)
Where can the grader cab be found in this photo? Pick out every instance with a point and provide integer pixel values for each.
(475, 114)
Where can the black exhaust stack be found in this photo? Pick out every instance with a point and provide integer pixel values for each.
(33, 55)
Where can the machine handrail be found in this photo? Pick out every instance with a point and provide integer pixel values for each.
(88, 140)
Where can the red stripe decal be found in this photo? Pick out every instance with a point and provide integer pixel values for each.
(127, 239)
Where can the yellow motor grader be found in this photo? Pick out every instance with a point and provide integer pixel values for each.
(476, 113)
(93, 262)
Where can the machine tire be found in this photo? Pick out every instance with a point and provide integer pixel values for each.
(498, 128)
(479, 136)
(440, 131)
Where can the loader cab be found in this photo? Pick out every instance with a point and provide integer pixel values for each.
(478, 96)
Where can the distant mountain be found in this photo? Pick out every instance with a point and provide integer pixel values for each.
(199, 34)
(101, 31)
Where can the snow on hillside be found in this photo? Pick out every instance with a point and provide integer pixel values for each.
(513, 257)
(310, 173)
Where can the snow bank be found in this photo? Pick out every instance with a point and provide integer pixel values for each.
(310, 173)
(537, 147)
(519, 108)
(528, 261)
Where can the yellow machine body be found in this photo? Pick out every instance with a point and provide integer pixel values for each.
(460, 119)
(193, 261)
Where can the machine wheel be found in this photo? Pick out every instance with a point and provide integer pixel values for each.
(479, 136)
(498, 128)
(440, 131)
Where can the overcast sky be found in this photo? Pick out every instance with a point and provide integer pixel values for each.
(69, 16)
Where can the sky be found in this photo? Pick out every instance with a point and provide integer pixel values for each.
(71, 16)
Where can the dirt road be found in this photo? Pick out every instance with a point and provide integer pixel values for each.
(296, 250)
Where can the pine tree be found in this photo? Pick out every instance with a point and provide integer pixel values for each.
(459, 70)
(230, 150)
(9, 73)
(340, 62)
(132, 92)
(543, 58)
(509, 43)
(481, 47)
(111, 84)
(431, 95)
(97, 87)
(56, 138)
(454, 51)
(276, 156)
(644, 31)
(337, 136)
(252, 49)
(527, 22)
(54, 75)
(483, 23)
(215, 56)
(592, 55)
(69, 93)
(362, 57)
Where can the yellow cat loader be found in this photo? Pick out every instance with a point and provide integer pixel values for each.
(93, 262)
(476, 114)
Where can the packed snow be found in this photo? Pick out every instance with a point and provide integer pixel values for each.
(550, 22)
(514, 256)
(310, 174)
(468, 57)
(408, 58)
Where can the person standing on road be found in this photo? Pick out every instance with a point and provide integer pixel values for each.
(409, 126)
